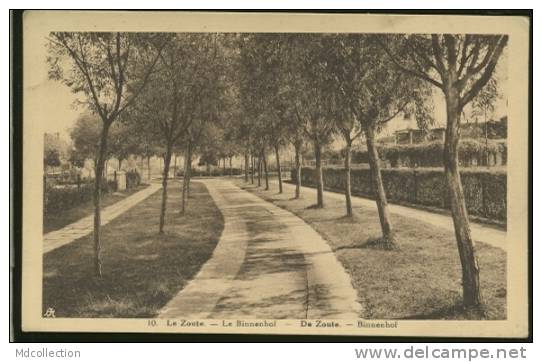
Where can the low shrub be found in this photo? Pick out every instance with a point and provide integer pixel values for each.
(180, 172)
(66, 177)
(133, 179)
(59, 198)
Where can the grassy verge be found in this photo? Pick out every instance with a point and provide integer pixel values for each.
(57, 221)
(142, 270)
(421, 280)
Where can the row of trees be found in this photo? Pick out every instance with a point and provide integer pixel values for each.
(221, 95)
(306, 88)
(146, 94)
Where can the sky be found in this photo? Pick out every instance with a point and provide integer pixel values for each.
(54, 99)
(440, 104)
(57, 103)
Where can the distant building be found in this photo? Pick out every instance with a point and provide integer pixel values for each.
(411, 136)
(493, 130)
(482, 144)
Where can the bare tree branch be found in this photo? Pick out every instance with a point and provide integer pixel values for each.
(395, 60)
(80, 62)
(145, 79)
(484, 78)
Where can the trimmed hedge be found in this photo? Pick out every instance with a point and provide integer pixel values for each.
(56, 199)
(215, 172)
(66, 177)
(485, 191)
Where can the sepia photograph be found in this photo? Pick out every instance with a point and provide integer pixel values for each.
(345, 174)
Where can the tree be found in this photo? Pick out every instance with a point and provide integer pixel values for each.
(75, 158)
(122, 142)
(275, 81)
(314, 110)
(253, 90)
(263, 90)
(136, 136)
(460, 66)
(278, 105)
(51, 158)
(229, 115)
(85, 136)
(243, 134)
(54, 149)
(375, 92)
(210, 146)
(170, 102)
(276, 126)
(110, 70)
(261, 141)
(350, 130)
(296, 138)
(285, 111)
(194, 140)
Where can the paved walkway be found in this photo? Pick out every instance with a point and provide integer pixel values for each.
(268, 264)
(480, 232)
(84, 226)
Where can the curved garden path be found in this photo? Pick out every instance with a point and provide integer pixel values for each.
(268, 264)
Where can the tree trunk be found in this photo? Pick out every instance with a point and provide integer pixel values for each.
(278, 168)
(252, 168)
(149, 168)
(319, 175)
(97, 197)
(120, 164)
(264, 158)
(189, 171)
(185, 180)
(223, 166)
(231, 168)
(388, 237)
(259, 171)
(167, 161)
(297, 170)
(246, 167)
(175, 166)
(465, 245)
(347, 186)
(485, 135)
(140, 165)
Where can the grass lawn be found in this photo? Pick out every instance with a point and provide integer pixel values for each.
(142, 270)
(57, 221)
(421, 280)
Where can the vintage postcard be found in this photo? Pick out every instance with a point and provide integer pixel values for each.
(275, 173)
